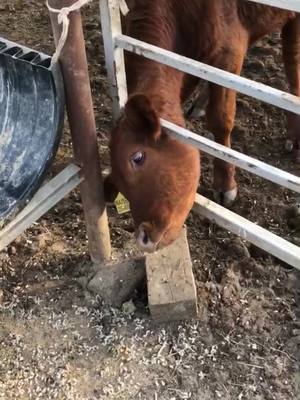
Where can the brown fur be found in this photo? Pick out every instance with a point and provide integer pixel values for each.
(217, 32)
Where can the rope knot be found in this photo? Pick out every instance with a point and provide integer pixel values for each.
(63, 19)
(63, 15)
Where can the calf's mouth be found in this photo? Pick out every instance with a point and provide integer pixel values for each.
(150, 239)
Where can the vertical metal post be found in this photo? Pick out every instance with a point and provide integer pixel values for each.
(114, 56)
(83, 130)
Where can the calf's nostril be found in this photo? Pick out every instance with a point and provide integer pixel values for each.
(145, 237)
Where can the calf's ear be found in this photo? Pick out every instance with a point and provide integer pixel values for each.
(142, 117)
(110, 189)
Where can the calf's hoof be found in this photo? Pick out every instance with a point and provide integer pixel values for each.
(294, 148)
(289, 145)
(226, 199)
(296, 156)
(197, 112)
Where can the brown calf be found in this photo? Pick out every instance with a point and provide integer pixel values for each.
(158, 174)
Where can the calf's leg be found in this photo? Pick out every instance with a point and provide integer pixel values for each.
(291, 58)
(197, 108)
(220, 114)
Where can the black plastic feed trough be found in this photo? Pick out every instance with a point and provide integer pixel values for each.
(31, 122)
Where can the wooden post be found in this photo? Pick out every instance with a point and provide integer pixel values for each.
(83, 130)
(114, 56)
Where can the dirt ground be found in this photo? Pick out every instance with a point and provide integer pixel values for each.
(59, 342)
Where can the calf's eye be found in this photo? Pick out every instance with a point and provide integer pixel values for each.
(138, 158)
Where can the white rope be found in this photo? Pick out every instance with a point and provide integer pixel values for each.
(124, 8)
(63, 18)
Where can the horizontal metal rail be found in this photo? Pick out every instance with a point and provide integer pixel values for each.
(271, 243)
(45, 198)
(246, 86)
(241, 160)
(291, 5)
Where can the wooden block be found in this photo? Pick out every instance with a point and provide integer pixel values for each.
(171, 285)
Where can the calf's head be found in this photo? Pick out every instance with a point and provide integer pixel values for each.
(157, 174)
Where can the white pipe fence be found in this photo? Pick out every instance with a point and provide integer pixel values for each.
(243, 161)
(292, 5)
(114, 44)
(246, 86)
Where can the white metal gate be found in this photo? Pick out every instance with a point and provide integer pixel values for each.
(115, 42)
